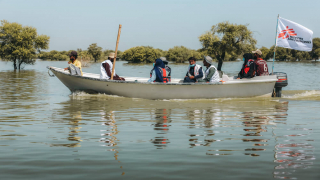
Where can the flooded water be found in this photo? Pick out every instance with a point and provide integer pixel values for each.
(48, 133)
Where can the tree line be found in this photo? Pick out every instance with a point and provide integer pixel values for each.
(93, 53)
(224, 42)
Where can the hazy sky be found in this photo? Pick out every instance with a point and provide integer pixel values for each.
(163, 24)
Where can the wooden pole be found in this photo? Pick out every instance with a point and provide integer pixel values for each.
(115, 53)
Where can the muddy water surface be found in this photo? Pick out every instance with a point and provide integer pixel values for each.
(48, 133)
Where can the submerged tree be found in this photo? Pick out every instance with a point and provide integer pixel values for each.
(315, 53)
(95, 51)
(19, 44)
(141, 54)
(180, 54)
(227, 41)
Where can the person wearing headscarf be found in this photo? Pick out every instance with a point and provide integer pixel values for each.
(247, 70)
(212, 74)
(194, 72)
(159, 73)
(168, 69)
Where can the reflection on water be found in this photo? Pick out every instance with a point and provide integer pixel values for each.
(46, 132)
(162, 119)
(18, 98)
(109, 138)
(293, 150)
(205, 119)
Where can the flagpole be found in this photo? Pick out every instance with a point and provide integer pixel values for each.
(275, 44)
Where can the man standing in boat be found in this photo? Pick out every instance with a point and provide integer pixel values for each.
(261, 65)
(194, 73)
(106, 69)
(73, 60)
(211, 74)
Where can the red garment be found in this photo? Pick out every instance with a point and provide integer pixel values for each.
(261, 67)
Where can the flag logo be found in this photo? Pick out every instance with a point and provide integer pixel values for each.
(293, 35)
(287, 33)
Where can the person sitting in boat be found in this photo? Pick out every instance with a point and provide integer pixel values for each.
(73, 60)
(211, 74)
(159, 73)
(194, 73)
(106, 69)
(247, 70)
(261, 65)
(168, 69)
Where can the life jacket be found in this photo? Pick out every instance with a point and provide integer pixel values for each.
(103, 73)
(246, 68)
(163, 72)
(215, 77)
(196, 71)
(166, 76)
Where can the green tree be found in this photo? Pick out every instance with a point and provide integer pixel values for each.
(227, 41)
(180, 54)
(95, 51)
(19, 44)
(315, 53)
(302, 55)
(266, 53)
(141, 54)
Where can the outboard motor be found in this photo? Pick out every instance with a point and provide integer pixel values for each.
(282, 82)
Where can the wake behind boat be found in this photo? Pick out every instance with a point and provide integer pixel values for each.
(137, 87)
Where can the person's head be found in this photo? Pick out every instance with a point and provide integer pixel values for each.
(192, 61)
(257, 54)
(207, 61)
(159, 63)
(246, 57)
(111, 56)
(164, 60)
(73, 55)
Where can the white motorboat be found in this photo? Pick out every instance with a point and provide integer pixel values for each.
(137, 87)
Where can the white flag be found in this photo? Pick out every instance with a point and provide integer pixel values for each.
(293, 36)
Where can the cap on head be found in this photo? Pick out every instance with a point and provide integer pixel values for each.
(111, 55)
(208, 59)
(257, 51)
(73, 53)
(164, 60)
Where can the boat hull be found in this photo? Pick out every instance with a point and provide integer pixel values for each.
(145, 90)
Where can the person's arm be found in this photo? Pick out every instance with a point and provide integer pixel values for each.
(153, 77)
(251, 70)
(107, 68)
(200, 74)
